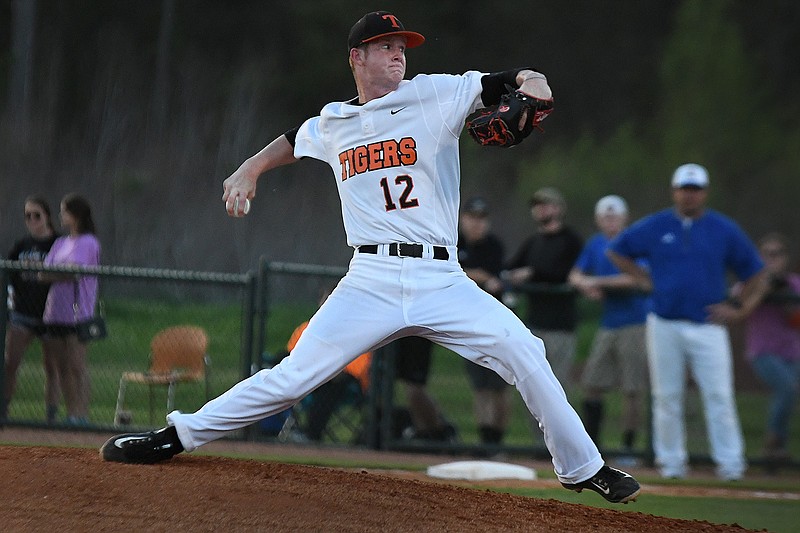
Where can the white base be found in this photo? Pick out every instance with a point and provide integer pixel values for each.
(481, 470)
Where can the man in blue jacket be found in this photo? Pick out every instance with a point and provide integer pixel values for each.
(690, 250)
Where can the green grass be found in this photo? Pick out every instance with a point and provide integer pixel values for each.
(778, 516)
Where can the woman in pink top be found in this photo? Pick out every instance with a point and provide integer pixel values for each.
(773, 343)
(79, 247)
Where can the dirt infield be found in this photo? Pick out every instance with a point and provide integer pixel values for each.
(47, 488)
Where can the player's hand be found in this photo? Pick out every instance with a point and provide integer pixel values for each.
(534, 84)
(238, 190)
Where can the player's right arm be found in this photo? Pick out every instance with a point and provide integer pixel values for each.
(242, 183)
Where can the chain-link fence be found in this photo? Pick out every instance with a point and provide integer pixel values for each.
(136, 304)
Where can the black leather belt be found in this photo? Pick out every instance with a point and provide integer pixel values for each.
(402, 249)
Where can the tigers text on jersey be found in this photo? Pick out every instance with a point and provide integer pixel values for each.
(395, 158)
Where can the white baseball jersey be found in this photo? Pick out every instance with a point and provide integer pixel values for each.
(397, 166)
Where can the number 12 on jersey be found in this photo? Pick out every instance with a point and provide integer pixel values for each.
(403, 184)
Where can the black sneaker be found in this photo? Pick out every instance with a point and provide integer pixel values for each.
(614, 485)
(142, 448)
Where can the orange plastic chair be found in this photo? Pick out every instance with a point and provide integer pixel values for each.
(178, 354)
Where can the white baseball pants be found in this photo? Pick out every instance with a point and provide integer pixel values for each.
(380, 299)
(673, 346)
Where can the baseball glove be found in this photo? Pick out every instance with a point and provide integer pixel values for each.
(499, 125)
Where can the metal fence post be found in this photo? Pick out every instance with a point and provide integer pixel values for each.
(248, 314)
(247, 326)
(388, 354)
(373, 403)
(262, 308)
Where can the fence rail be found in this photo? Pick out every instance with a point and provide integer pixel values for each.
(130, 272)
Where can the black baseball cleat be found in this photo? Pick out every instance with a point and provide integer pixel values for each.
(142, 448)
(614, 485)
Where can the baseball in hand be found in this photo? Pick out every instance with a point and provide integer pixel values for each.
(245, 210)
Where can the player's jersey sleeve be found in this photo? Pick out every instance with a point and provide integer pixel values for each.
(308, 140)
(456, 97)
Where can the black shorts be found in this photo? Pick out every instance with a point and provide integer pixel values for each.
(61, 330)
(413, 359)
(32, 324)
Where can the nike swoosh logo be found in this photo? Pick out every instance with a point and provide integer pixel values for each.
(119, 442)
(396, 111)
(605, 491)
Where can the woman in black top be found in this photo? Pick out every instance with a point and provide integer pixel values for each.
(28, 300)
